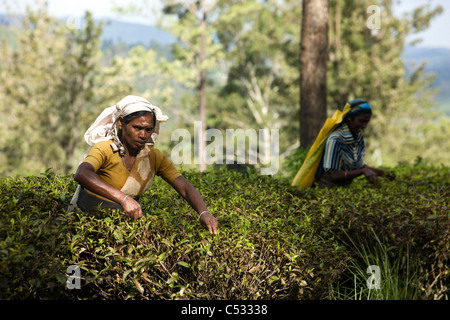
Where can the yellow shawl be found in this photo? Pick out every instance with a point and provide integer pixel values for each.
(306, 174)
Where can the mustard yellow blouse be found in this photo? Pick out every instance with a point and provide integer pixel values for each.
(109, 166)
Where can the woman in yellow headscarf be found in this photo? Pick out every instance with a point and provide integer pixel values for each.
(337, 155)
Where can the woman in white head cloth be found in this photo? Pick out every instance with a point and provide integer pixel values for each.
(122, 162)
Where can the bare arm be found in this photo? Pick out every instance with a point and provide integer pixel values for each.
(341, 175)
(193, 197)
(370, 173)
(87, 177)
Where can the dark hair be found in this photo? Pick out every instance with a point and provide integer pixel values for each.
(127, 119)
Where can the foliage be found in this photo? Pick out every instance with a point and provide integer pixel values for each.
(408, 217)
(292, 163)
(32, 236)
(261, 90)
(394, 279)
(275, 241)
(53, 89)
(52, 85)
(368, 64)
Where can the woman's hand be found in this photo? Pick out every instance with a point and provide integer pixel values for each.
(87, 177)
(132, 208)
(209, 222)
(388, 175)
(382, 173)
(370, 174)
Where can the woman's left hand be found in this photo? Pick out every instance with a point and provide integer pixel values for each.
(382, 173)
(388, 175)
(209, 222)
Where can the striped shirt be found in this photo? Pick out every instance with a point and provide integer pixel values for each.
(343, 151)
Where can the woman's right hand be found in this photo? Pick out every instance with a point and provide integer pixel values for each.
(209, 222)
(132, 208)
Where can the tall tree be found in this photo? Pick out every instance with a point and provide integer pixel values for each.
(261, 86)
(197, 50)
(313, 69)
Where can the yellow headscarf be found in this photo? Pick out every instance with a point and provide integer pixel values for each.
(306, 174)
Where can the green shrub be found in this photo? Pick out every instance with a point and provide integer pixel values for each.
(264, 250)
(274, 242)
(374, 275)
(293, 162)
(32, 236)
(409, 215)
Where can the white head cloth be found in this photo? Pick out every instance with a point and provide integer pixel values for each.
(106, 125)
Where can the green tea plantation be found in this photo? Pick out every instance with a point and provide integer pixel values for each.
(274, 241)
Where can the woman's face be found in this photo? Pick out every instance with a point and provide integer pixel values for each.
(358, 123)
(137, 132)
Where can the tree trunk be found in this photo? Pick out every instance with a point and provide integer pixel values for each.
(202, 96)
(313, 70)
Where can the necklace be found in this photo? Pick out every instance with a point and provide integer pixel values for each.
(124, 164)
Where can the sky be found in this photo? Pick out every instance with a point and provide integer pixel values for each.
(435, 36)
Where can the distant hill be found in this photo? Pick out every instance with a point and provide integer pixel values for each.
(133, 33)
(115, 31)
(438, 62)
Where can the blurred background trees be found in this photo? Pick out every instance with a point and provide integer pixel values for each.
(367, 63)
(52, 82)
(235, 65)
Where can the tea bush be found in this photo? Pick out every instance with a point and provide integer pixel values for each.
(408, 216)
(274, 242)
(32, 236)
